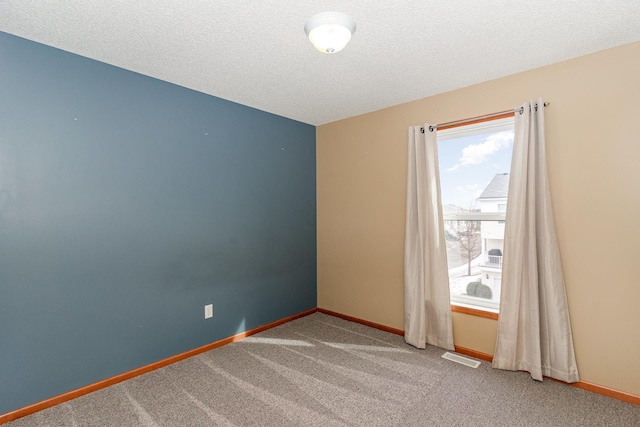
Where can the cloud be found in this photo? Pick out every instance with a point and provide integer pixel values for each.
(473, 190)
(474, 154)
(469, 188)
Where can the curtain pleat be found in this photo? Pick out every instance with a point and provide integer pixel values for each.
(426, 280)
(534, 329)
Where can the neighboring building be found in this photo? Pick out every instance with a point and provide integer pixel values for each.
(493, 199)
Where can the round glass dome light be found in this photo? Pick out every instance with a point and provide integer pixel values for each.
(330, 32)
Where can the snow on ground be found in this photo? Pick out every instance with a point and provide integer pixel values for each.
(458, 278)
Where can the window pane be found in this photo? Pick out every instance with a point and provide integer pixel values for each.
(474, 178)
(474, 255)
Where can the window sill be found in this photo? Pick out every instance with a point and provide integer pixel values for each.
(472, 311)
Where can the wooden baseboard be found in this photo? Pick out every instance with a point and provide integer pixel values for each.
(605, 391)
(473, 353)
(362, 322)
(585, 385)
(65, 397)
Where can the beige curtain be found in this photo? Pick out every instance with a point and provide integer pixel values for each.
(534, 331)
(426, 279)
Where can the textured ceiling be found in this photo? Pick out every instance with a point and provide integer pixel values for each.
(256, 53)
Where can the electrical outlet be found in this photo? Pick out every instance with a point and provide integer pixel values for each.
(208, 311)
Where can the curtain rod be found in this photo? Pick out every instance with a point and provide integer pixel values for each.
(479, 118)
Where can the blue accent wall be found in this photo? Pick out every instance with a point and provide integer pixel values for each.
(126, 205)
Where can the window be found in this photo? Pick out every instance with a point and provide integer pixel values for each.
(475, 162)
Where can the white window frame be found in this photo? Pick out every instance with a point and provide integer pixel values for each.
(459, 132)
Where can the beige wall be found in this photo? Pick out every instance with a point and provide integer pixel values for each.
(593, 151)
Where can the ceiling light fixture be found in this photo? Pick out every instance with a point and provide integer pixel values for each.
(330, 32)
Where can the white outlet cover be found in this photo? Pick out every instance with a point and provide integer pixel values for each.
(208, 311)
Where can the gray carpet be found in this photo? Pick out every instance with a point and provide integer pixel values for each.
(323, 371)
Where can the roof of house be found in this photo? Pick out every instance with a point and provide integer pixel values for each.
(498, 188)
